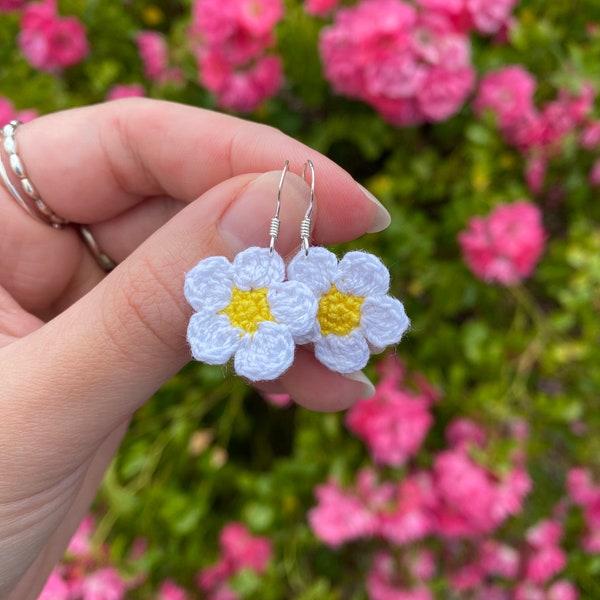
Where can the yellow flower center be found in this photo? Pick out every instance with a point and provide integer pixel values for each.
(339, 313)
(247, 309)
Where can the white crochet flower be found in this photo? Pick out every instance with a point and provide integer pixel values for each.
(245, 309)
(356, 317)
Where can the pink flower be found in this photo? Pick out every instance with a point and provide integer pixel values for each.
(545, 564)
(547, 558)
(247, 90)
(468, 577)
(239, 550)
(454, 11)
(499, 560)
(320, 8)
(411, 68)
(212, 577)
(118, 91)
(244, 550)
(105, 584)
(154, 53)
(258, 17)
(170, 591)
(232, 39)
(580, 487)
(505, 246)
(535, 173)
(492, 592)
(340, 517)
(508, 93)
(412, 516)
(239, 30)
(562, 590)
(587, 495)
(80, 545)
(489, 17)
(466, 493)
(223, 592)
(510, 492)
(56, 588)
(8, 112)
(528, 591)
(462, 433)
(564, 114)
(443, 92)
(484, 16)
(50, 42)
(242, 90)
(383, 581)
(393, 423)
(590, 136)
(10, 5)
(421, 564)
(545, 533)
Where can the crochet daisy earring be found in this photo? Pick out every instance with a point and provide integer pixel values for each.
(355, 317)
(245, 309)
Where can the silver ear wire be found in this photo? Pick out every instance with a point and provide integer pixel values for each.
(274, 228)
(306, 223)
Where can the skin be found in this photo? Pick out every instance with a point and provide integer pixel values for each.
(161, 186)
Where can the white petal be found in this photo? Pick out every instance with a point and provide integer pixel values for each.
(315, 270)
(293, 305)
(257, 268)
(362, 274)
(383, 320)
(212, 339)
(343, 353)
(208, 285)
(265, 355)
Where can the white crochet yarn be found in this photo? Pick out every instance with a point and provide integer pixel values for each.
(356, 317)
(245, 309)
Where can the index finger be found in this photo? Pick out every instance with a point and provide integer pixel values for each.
(93, 163)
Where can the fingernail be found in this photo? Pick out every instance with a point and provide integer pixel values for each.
(382, 216)
(368, 389)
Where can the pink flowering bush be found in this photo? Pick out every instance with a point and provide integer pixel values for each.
(473, 472)
(539, 134)
(86, 572)
(505, 246)
(230, 43)
(239, 551)
(8, 5)
(51, 42)
(412, 66)
(394, 422)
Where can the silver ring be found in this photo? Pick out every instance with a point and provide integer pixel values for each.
(105, 261)
(48, 216)
(17, 196)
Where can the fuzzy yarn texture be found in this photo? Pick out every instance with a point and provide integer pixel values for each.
(246, 310)
(356, 317)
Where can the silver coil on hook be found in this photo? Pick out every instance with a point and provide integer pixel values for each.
(305, 226)
(275, 222)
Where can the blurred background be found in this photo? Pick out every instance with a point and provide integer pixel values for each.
(474, 472)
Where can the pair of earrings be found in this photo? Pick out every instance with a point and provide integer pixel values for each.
(256, 310)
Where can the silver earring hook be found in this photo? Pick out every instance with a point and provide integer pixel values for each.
(306, 223)
(274, 228)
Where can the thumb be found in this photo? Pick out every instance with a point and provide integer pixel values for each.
(97, 362)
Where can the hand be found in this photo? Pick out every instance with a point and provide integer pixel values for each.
(161, 187)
